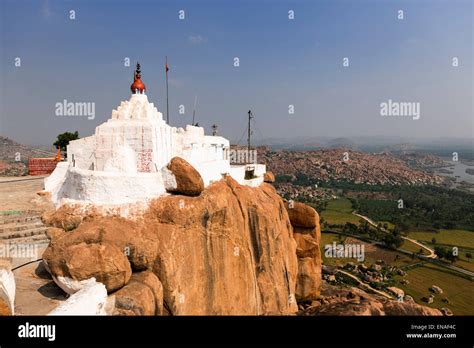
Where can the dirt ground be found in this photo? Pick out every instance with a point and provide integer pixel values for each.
(20, 193)
(36, 292)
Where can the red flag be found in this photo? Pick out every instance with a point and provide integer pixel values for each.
(167, 67)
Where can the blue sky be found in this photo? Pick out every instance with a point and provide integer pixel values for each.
(282, 62)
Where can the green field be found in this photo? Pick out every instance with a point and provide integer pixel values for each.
(338, 212)
(463, 239)
(372, 253)
(390, 226)
(329, 238)
(458, 290)
(465, 263)
(459, 238)
(414, 248)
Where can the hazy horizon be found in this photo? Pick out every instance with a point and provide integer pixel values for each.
(283, 62)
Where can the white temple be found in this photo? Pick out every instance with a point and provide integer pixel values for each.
(122, 163)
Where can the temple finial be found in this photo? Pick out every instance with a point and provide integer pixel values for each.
(137, 87)
(138, 70)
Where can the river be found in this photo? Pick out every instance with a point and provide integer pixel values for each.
(456, 170)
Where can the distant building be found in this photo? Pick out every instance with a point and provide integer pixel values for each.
(122, 162)
(41, 166)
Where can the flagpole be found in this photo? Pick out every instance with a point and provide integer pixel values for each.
(194, 110)
(167, 102)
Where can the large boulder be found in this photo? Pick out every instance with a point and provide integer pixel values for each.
(307, 233)
(446, 312)
(151, 280)
(397, 292)
(71, 265)
(269, 177)
(7, 288)
(229, 251)
(309, 279)
(64, 218)
(302, 215)
(181, 177)
(138, 244)
(399, 308)
(134, 299)
(346, 308)
(54, 233)
(343, 301)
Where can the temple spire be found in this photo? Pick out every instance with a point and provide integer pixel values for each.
(137, 87)
(138, 71)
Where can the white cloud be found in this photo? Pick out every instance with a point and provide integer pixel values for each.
(197, 39)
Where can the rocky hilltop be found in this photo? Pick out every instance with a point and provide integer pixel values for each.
(230, 250)
(14, 157)
(351, 301)
(347, 165)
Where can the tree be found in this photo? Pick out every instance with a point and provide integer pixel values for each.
(450, 256)
(392, 240)
(350, 228)
(440, 252)
(404, 226)
(63, 140)
(449, 225)
(364, 227)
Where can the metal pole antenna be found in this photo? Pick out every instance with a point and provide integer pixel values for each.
(167, 101)
(194, 110)
(249, 133)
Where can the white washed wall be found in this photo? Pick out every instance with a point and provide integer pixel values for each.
(121, 163)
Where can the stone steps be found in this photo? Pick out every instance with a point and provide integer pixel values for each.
(16, 227)
(36, 239)
(35, 231)
(25, 228)
(19, 219)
